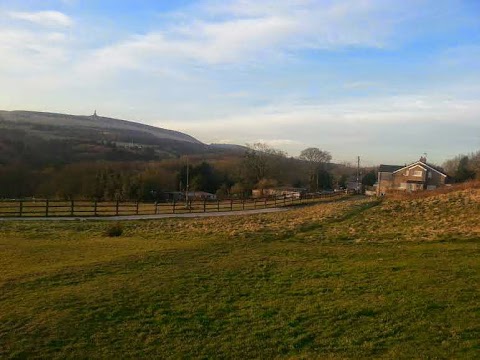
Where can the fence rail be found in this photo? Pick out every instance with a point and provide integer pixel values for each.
(82, 208)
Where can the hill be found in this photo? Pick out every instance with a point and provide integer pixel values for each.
(359, 278)
(40, 138)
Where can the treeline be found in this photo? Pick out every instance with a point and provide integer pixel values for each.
(463, 167)
(233, 176)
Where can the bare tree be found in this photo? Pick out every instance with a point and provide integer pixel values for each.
(315, 155)
(316, 159)
(260, 160)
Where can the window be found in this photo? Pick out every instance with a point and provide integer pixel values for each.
(429, 174)
(418, 173)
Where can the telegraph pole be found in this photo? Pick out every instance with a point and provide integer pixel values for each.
(186, 188)
(358, 174)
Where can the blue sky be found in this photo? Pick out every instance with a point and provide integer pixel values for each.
(384, 79)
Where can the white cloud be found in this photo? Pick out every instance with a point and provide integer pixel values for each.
(24, 51)
(250, 31)
(43, 18)
(345, 121)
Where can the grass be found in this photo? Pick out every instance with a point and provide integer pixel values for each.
(355, 278)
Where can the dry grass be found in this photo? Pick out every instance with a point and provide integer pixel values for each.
(404, 195)
(346, 279)
(444, 216)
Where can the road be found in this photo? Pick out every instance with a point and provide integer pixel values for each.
(148, 217)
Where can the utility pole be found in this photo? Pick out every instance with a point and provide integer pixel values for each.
(358, 174)
(186, 189)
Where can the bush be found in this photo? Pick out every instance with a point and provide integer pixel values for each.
(115, 230)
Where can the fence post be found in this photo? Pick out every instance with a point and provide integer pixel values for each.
(205, 205)
(255, 203)
(275, 200)
(136, 208)
(156, 207)
(72, 208)
(190, 206)
(95, 208)
(46, 208)
(284, 200)
(243, 204)
(265, 206)
(231, 204)
(20, 210)
(218, 205)
(116, 208)
(174, 202)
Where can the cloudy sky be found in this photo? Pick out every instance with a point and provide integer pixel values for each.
(384, 79)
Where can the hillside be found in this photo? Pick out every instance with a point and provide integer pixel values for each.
(357, 278)
(44, 138)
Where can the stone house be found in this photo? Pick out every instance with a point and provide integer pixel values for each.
(414, 177)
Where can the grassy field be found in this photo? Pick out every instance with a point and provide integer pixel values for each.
(349, 279)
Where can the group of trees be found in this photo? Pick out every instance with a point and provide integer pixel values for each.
(463, 167)
(260, 167)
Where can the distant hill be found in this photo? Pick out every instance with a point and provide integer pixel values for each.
(43, 138)
(76, 127)
(229, 147)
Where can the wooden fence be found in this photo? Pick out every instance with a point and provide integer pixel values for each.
(82, 208)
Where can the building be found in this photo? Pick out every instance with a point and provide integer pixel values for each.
(201, 195)
(353, 184)
(414, 177)
(289, 192)
(173, 196)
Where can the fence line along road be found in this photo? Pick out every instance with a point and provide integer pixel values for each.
(82, 208)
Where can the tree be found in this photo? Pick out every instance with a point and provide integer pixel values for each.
(370, 178)
(316, 159)
(464, 172)
(266, 184)
(324, 179)
(342, 181)
(260, 160)
(239, 190)
(223, 191)
(202, 177)
(474, 163)
(450, 166)
(315, 156)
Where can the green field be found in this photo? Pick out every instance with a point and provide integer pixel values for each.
(348, 279)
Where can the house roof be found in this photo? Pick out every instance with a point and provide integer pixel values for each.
(200, 193)
(389, 168)
(424, 164)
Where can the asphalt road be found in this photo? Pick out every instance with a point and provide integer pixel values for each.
(148, 217)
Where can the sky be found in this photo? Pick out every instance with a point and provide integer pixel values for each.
(387, 80)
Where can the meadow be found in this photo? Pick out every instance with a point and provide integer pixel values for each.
(354, 278)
